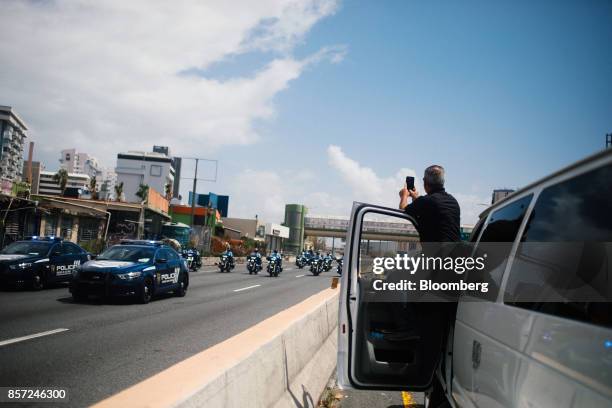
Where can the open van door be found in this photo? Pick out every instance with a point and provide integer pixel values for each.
(391, 345)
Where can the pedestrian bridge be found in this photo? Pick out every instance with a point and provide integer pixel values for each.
(319, 226)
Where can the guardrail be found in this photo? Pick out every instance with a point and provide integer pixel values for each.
(284, 361)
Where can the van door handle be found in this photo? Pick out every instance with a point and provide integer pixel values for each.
(476, 350)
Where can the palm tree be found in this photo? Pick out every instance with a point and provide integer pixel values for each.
(61, 178)
(118, 191)
(93, 188)
(143, 192)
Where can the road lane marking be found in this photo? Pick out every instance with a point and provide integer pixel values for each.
(299, 276)
(248, 287)
(31, 336)
(407, 399)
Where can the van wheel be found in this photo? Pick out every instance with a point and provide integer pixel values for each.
(146, 292)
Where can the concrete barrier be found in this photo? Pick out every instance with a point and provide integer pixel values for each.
(284, 361)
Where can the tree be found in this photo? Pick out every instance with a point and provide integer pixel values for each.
(168, 191)
(118, 191)
(143, 192)
(93, 184)
(61, 178)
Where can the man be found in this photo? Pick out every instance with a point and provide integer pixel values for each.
(436, 213)
(257, 256)
(278, 257)
(228, 252)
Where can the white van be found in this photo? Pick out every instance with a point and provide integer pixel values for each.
(495, 352)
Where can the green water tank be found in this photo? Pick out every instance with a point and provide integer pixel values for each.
(294, 219)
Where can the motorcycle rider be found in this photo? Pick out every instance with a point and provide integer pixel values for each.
(278, 257)
(230, 255)
(255, 254)
(328, 260)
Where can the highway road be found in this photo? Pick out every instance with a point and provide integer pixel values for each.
(111, 345)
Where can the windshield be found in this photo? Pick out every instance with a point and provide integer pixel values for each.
(127, 253)
(27, 248)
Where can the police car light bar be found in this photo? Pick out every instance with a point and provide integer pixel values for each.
(41, 238)
(141, 242)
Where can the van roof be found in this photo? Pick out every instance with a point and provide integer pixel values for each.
(579, 163)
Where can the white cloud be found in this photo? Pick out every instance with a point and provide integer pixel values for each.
(367, 186)
(265, 193)
(260, 192)
(104, 76)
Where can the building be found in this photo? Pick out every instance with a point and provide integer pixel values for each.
(202, 216)
(80, 163)
(151, 168)
(250, 228)
(275, 236)
(499, 194)
(165, 150)
(177, 177)
(50, 215)
(13, 133)
(176, 163)
(48, 186)
(107, 184)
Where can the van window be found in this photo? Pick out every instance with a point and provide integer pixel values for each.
(566, 248)
(505, 222)
(497, 238)
(476, 231)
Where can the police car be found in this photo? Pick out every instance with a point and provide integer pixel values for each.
(135, 268)
(40, 261)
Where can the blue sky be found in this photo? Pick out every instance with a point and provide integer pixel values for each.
(500, 93)
(318, 101)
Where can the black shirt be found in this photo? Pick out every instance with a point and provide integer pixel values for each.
(437, 215)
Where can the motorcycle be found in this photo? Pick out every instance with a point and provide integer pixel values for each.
(316, 266)
(301, 261)
(327, 263)
(339, 267)
(252, 265)
(226, 264)
(192, 259)
(274, 267)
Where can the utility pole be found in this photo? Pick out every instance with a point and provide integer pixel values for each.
(193, 195)
(205, 227)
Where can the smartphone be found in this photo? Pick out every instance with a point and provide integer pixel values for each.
(410, 183)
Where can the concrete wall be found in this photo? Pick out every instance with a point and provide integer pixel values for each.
(284, 361)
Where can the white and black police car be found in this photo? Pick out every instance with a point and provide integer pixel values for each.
(37, 262)
(136, 268)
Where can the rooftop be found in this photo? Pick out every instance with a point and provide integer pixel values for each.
(8, 110)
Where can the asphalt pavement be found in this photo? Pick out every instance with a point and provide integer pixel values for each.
(110, 345)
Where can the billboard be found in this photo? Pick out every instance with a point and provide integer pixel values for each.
(219, 202)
